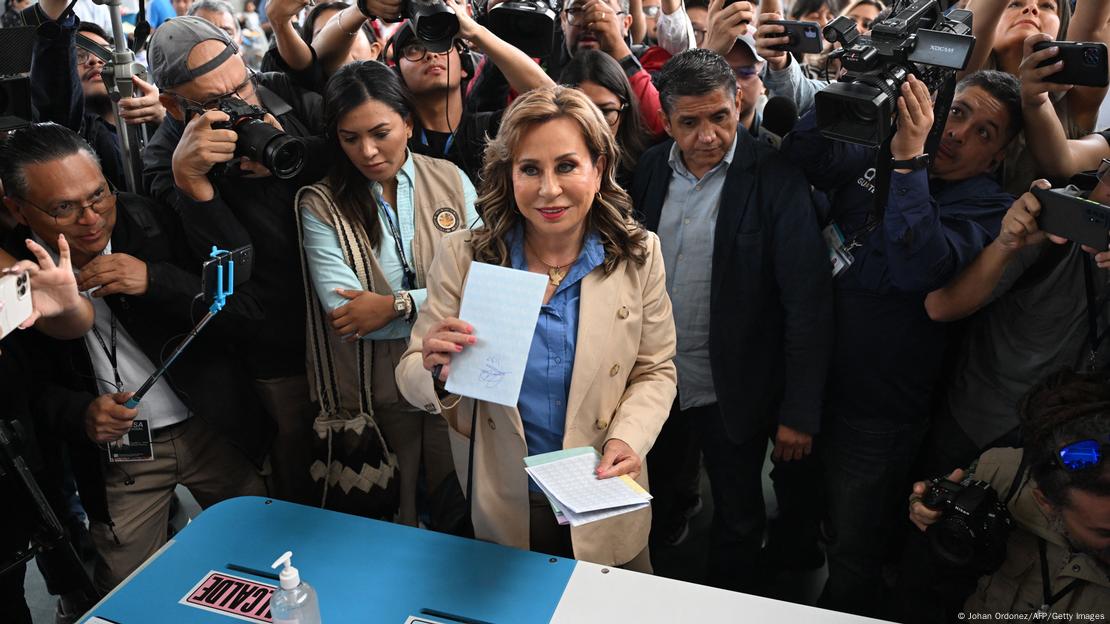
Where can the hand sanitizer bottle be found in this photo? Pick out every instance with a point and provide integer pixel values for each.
(294, 602)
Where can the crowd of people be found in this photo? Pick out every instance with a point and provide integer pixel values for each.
(888, 324)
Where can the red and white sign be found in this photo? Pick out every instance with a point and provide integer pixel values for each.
(233, 596)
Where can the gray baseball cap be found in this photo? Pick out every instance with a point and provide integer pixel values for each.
(174, 40)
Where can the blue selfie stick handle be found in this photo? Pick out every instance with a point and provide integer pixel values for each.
(218, 303)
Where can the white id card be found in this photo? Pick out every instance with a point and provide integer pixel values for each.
(839, 256)
(135, 445)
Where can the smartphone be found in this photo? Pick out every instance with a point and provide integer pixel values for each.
(15, 295)
(216, 271)
(1085, 63)
(1066, 214)
(805, 37)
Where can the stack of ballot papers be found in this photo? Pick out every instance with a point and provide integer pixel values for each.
(576, 495)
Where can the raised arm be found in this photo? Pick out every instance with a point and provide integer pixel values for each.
(986, 15)
(333, 42)
(293, 50)
(1089, 22)
(639, 24)
(522, 73)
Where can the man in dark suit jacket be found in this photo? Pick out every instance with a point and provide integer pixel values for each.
(207, 428)
(749, 278)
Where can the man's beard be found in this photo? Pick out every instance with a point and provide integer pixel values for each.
(1101, 556)
(99, 104)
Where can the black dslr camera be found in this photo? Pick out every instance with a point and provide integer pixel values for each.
(974, 526)
(282, 154)
(526, 24)
(434, 23)
(917, 39)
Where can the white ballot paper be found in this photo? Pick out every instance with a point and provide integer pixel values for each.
(503, 305)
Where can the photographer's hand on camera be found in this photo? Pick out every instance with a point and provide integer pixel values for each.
(726, 23)
(1034, 87)
(202, 147)
(768, 35)
(921, 515)
(114, 274)
(106, 419)
(365, 312)
(915, 119)
(144, 107)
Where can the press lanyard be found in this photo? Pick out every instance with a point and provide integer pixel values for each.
(1049, 597)
(110, 353)
(1094, 309)
(408, 278)
(446, 146)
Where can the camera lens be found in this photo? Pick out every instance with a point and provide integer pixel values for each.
(1090, 56)
(285, 156)
(952, 542)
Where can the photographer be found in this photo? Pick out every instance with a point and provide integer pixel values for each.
(1058, 557)
(240, 203)
(67, 87)
(443, 129)
(203, 430)
(936, 221)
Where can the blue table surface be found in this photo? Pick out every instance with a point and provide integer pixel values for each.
(363, 570)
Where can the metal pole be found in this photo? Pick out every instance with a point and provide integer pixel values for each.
(123, 70)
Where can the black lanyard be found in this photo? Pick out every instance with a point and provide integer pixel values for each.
(1046, 585)
(408, 278)
(1095, 306)
(110, 353)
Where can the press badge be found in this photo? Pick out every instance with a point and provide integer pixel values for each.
(839, 256)
(134, 446)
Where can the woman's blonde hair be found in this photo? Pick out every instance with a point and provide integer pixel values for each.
(611, 214)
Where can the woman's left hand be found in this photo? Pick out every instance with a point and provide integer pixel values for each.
(618, 459)
(364, 313)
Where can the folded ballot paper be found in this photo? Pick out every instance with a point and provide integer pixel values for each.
(576, 495)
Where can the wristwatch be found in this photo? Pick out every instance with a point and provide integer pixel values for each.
(913, 164)
(631, 65)
(402, 304)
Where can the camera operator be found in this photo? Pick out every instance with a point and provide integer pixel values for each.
(1056, 156)
(240, 203)
(443, 128)
(204, 430)
(936, 221)
(1058, 557)
(67, 87)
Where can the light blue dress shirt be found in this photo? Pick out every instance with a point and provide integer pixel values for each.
(686, 228)
(329, 269)
(543, 393)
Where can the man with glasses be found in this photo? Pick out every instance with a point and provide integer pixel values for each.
(443, 128)
(748, 67)
(1057, 490)
(228, 201)
(200, 426)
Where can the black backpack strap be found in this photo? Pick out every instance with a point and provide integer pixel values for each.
(1019, 479)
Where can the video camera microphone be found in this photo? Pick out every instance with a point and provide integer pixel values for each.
(779, 116)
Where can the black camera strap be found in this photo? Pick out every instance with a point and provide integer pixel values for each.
(1095, 306)
(1046, 584)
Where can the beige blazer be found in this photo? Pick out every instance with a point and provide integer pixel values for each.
(622, 386)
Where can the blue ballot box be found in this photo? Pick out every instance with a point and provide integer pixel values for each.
(367, 571)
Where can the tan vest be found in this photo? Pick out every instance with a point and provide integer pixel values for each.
(438, 209)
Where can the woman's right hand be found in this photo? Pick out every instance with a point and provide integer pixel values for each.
(768, 35)
(444, 339)
(1035, 86)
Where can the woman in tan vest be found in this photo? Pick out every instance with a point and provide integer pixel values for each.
(370, 230)
(599, 371)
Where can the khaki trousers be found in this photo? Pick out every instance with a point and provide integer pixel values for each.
(418, 438)
(286, 400)
(189, 453)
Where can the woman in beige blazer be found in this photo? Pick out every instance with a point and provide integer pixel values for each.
(599, 372)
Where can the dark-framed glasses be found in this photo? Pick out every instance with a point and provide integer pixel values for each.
(83, 56)
(576, 15)
(613, 115)
(241, 92)
(68, 212)
(1081, 455)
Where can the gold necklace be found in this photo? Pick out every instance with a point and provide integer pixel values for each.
(555, 273)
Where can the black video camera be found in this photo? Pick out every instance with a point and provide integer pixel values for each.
(526, 24)
(974, 526)
(434, 23)
(282, 154)
(15, 83)
(917, 39)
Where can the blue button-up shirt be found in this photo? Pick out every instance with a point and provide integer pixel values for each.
(543, 393)
(686, 228)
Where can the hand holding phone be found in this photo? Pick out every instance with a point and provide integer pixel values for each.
(15, 301)
(1085, 63)
(805, 37)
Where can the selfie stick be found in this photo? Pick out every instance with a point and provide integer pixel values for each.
(217, 304)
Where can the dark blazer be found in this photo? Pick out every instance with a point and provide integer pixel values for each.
(770, 314)
(208, 378)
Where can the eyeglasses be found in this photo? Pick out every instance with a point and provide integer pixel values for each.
(576, 16)
(67, 213)
(746, 72)
(416, 52)
(1080, 455)
(214, 102)
(613, 115)
(84, 55)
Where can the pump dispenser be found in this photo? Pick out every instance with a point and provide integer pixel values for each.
(295, 602)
